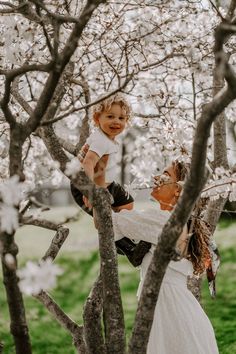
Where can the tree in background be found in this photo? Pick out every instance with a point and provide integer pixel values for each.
(175, 63)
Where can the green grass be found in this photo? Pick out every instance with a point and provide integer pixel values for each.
(80, 271)
(222, 310)
(226, 220)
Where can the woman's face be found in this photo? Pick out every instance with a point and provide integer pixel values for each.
(166, 190)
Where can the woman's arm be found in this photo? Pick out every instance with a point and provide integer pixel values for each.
(182, 242)
(139, 225)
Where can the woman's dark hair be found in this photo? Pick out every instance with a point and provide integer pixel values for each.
(181, 170)
(198, 251)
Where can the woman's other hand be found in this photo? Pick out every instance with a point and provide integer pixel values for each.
(87, 203)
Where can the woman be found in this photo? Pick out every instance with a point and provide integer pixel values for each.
(180, 326)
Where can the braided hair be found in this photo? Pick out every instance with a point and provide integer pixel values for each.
(198, 251)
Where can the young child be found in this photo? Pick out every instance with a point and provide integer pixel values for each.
(111, 117)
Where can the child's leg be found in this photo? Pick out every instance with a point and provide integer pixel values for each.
(121, 198)
(124, 246)
(134, 252)
(78, 197)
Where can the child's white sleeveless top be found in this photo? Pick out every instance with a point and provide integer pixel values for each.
(102, 145)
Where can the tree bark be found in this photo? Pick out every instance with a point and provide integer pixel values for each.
(19, 328)
(215, 208)
(66, 322)
(112, 305)
(92, 320)
(57, 242)
(77, 332)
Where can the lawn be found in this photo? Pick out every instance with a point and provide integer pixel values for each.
(80, 271)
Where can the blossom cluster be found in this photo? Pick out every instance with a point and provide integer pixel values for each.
(168, 53)
(221, 184)
(35, 277)
(11, 193)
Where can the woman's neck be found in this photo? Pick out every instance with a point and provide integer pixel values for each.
(166, 206)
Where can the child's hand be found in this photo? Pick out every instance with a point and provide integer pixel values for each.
(87, 203)
(82, 153)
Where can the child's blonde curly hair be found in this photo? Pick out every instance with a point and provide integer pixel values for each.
(106, 104)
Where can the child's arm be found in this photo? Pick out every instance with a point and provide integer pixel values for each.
(89, 163)
(94, 167)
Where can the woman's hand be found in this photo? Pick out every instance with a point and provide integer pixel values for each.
(182, 242)
(82, 153)
(87, 203)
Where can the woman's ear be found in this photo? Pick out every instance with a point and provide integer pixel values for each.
(178, 190)
(96, 116)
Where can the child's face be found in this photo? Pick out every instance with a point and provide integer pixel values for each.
(111, 122)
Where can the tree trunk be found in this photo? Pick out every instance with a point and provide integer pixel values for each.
(112, 305)
(92, 320)
(19, 328)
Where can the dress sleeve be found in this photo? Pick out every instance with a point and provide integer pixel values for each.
(138, 225)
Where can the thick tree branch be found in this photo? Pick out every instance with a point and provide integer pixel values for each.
(86, 106)
(57, 242)
(65, 321)
(15, 93)
(56, 17)
(84, 130)
(113, 311)
(179, 217)
(231, 10)
(92, 319)
(215, 208)
(11, 74)
(19, 328)
(46, 224)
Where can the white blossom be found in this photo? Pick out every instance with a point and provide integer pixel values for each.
(232, 196)
(73, 167)
(130, 189)
(11, 191)
(8, 218)
(10, 261)
(56, 178)
(35, 277)
(186, 27)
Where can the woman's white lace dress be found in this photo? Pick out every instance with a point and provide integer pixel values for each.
(180, 325)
